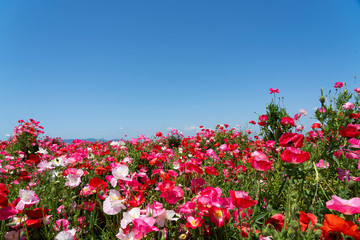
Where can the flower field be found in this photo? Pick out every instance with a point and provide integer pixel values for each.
(282, 183)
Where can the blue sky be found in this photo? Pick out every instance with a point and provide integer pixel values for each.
(106, 69)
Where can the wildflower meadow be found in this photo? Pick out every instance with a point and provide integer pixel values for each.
(222, 183)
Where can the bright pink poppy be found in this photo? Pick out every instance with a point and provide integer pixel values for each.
(219, 216)
(294, 155)
(144, 225)
(194, 222)
(338, 85)
(272, 90)
(347, 207)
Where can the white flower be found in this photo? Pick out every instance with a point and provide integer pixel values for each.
(122, 236)
(168, 215)
(42, 151)
(129, 216)
(121, 172)
(58, 162)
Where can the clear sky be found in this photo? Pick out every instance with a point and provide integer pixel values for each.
(106, 69)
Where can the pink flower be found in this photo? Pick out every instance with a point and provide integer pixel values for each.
(303, 112)
(7, 212)
(61, 222)
(219, 216)
(322, 164)
(348, 105)
(144, 225)
(74, 178)
(272, 90)
(357, 90)
(27, 197)
(338, 85)
(347, 207)
(194, 222)
(322, 110)
(343, 175)
(260, 161)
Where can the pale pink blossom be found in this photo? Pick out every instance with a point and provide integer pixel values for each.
(348, 105)
(27, 197)
(66, 235)
(74, 178)
(113, 203)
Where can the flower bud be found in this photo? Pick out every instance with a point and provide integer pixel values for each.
(322, 99)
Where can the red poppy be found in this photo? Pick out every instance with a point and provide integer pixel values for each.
(98, 184)
(333, 225)
(291, 140)
(306, 219)
(288, 121)
(294, 155)
(277, 221)
(241, 199)
(316, 125)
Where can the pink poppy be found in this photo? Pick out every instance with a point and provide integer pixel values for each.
(144, 225)
(348, 106)
(219, 216)
(322, 164)
(338, 85)
(272, 90)
(260, 162)
(347, 207)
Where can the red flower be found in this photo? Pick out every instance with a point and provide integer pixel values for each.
(291, 140)
(98, 184)
(241, 199)
(277, 221)
(316, 125)
(306, 219)
(219, 216)
(288, 121)
(350, 131)
(294, 155)
(333, 225)
(252, 122)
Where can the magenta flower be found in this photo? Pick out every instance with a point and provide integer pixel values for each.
(338, 85)
(357, 90)
(144, 225)
(272, 90)
(347, 207)
(322, 164)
